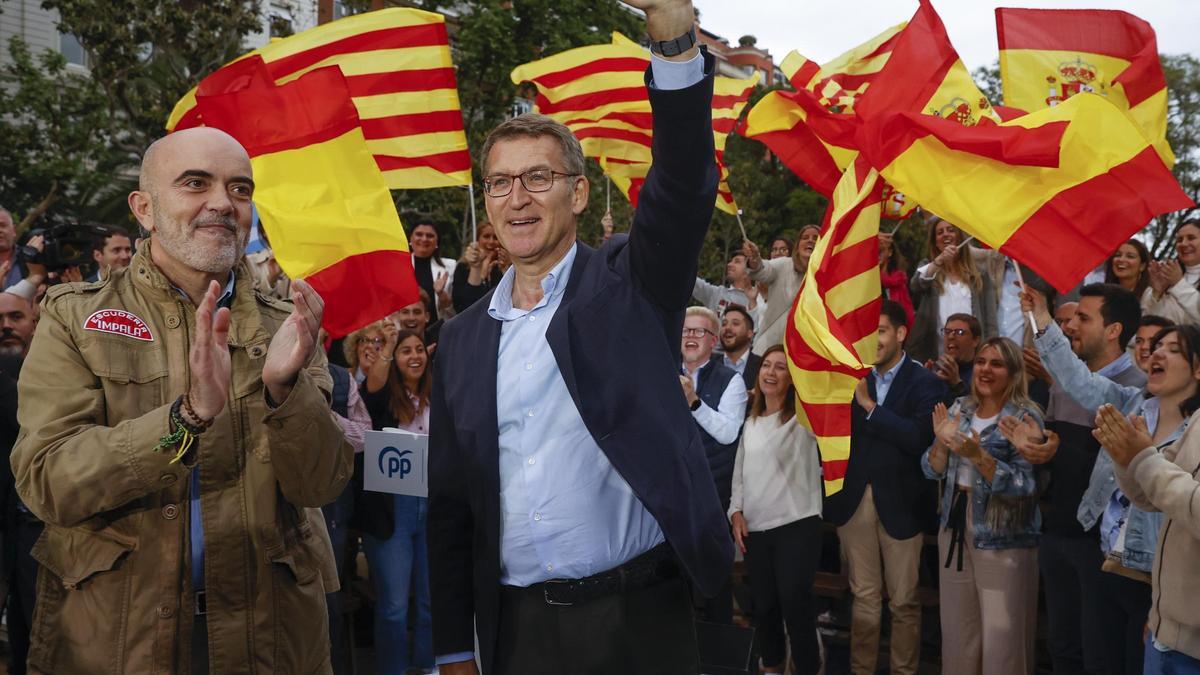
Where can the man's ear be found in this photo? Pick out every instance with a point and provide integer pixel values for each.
(902, 334)
(141, 206)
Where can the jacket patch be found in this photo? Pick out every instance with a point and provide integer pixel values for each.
(119, 322)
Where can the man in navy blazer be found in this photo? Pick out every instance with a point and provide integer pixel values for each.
(569, 494)
(885, 501)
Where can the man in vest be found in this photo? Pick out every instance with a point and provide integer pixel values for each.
(717, 397)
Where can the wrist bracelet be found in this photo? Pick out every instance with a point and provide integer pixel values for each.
(187, 407)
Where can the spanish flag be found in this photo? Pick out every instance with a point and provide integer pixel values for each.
(1049, 55)
(1079, 177)
(397, 66)
(599, 92)
(320, 195)
(831, 339)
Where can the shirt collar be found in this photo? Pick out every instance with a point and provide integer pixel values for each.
(734, 362)
(554, 284)
(226, 298)
(890, 374)
(1117, 366)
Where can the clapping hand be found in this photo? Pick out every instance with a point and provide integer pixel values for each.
(945, 426)
(1034, 444)
(293, 344)
(1123, 438)
(1164, 274)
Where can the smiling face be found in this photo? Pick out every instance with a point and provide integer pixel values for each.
(946, 234)
(1127, 264)
(367, 349)
(195, 198)
(991, 377)
(1187, 245)
(805, 243)
(486, 236)
(536, 228)
(773, 376)
(735, 331)
(1143, 340)
(699, 339)
(413, 317)
(424, 240)
(411, 358)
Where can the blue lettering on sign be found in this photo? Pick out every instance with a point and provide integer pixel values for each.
(395, 462)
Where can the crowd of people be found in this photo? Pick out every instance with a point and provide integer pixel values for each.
(609, 433)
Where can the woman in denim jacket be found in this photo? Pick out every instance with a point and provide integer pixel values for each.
(1169, 397)
(988, 591)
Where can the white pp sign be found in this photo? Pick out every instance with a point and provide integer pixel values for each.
(395, 461)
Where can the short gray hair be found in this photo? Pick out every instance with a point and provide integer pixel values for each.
(533, 125)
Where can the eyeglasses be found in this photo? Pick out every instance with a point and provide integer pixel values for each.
(534, 180)
(697, 332)
(373, 341)
(954, 332)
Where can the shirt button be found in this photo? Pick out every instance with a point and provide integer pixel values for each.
(532, 317)
(528, 366)
(530, 413)
(172, 321)
(532, 461)
(549, 568)
(170, 512)
(537, 516)
(165, 612)
(168, 478)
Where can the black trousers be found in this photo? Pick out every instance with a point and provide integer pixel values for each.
(649, 631)
(1123, 606)
(782, 563)
(23, 533)
(1070, 567)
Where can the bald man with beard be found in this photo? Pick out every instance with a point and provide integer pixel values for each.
(177, 441)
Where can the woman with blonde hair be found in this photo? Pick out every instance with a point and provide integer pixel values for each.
(989, 518)
(950, 281)
(361, 349)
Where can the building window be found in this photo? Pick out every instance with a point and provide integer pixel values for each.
(71, 50)
(342, 9)
(281, 22)
(520, 106)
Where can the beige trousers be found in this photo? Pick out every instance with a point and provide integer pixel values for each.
(988, 610)
(875, 558)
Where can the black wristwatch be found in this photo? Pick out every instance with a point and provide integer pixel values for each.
(677, 46)
(695, 404)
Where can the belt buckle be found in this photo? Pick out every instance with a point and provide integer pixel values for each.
(546, 592)
(201, 600)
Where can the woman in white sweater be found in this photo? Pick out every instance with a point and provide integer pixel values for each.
(1174, 291)
(775, 512)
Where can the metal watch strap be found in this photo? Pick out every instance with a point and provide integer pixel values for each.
(677, 46)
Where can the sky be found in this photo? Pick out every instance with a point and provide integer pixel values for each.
(822, 29)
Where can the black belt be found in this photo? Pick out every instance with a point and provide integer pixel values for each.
(201, 600)
(650, 568)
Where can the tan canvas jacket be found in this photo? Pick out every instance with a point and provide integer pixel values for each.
(113, 594)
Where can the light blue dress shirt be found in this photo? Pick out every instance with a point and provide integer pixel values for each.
(565, 512)
(883, 381)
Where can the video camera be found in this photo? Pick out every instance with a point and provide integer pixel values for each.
(66, 244)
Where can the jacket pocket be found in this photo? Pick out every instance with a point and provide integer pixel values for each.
(75, 556)
(134, 377)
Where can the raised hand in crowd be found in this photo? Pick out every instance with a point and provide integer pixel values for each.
(1034, 366)
(753, 257)
(439, 289)
(944, 258)
(741, 531)
(862, 396)
(1123, 438)
(946, 369)
(944, 427)
(886, 242)
(1035, 445)
(1163, 275)
(36, 272)
(606, 222)
(1033, 301)
(293, 345)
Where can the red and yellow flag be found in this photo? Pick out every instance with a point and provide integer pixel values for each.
(831, 339)
(1049, 55)
(599, 92)
(1078, 177)
(320, 195)
(397, 66)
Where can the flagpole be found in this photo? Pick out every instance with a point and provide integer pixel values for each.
(471, 196)
(741, 226)
(607, 194)
(896, 228)
(1021, 278)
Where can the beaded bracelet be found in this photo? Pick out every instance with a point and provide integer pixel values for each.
(204, 423)
(184, 435)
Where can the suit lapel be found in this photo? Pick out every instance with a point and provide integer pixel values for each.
(557, 334)
(899, 385)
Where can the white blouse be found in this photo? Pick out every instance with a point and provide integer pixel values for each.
(776, 476)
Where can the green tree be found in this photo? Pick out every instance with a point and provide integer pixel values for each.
(1183, 133)
(58, 150)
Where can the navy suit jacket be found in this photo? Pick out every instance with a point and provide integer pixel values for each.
(615, 338)
(885, 451)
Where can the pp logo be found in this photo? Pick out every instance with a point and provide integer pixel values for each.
(395, 462)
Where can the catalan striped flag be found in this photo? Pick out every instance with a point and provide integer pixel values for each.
(831, 339)
(1049, 55)
(1078, 177)
(320, 195)
(401, 79)
(599, 92)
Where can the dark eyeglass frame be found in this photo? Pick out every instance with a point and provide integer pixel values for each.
(488, 184)
(956, 332)
(691, 332)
